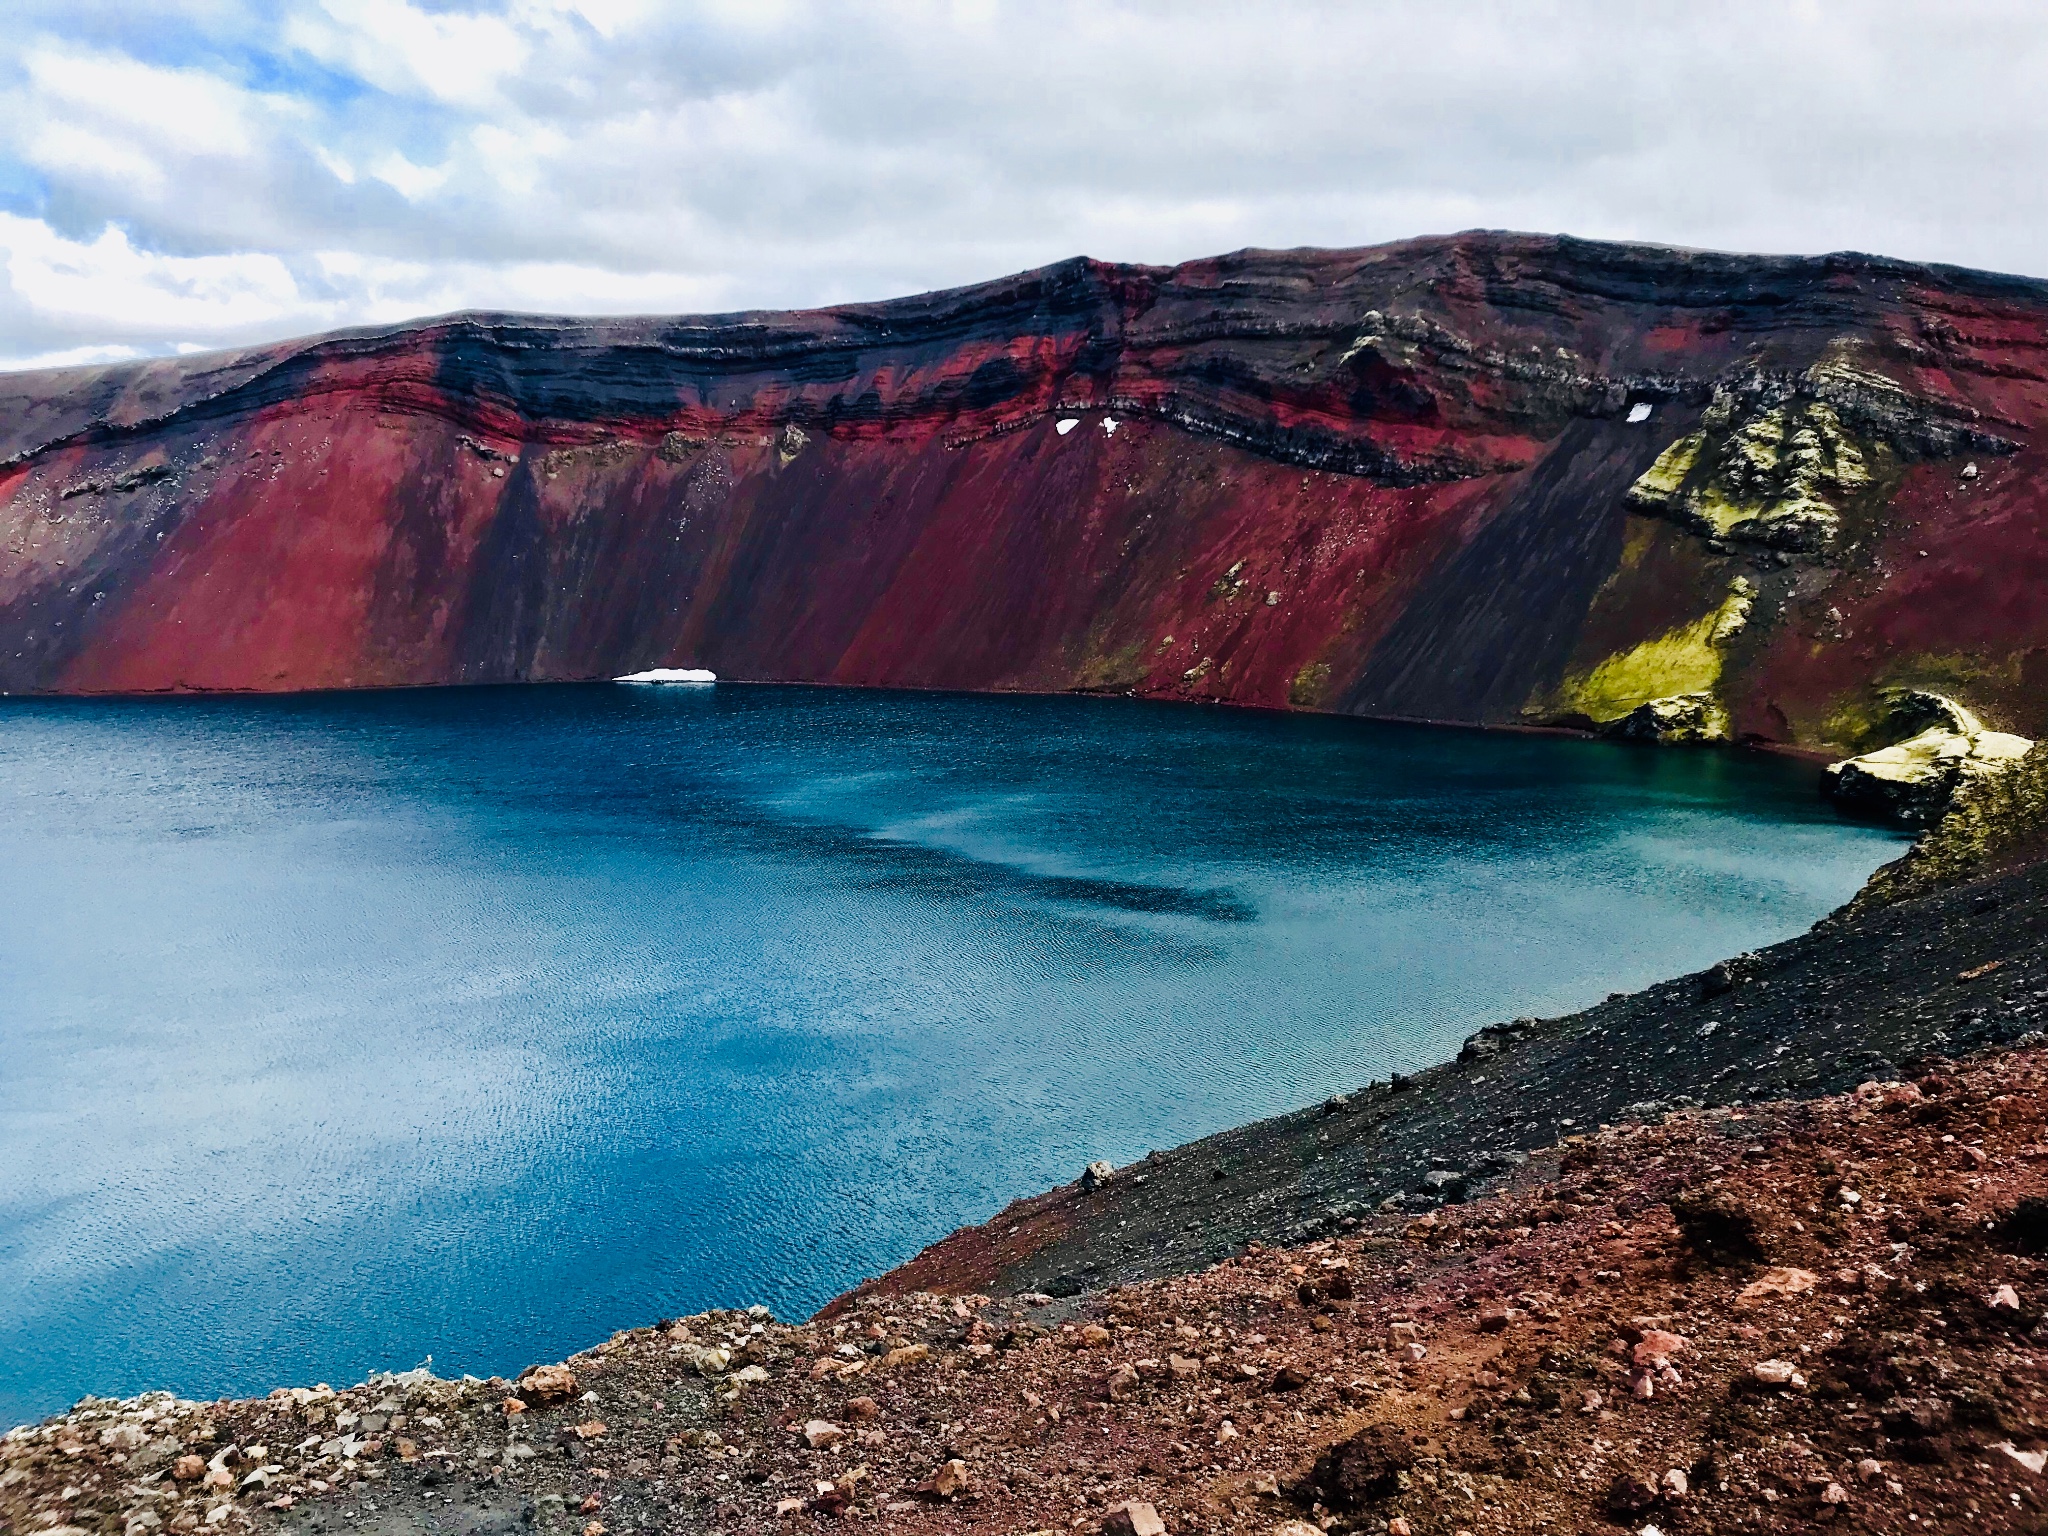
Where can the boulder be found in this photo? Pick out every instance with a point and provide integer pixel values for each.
(1133, 1519)
(1912, 781)
(1683, 717)
(1361, 1470)
(548, 1384)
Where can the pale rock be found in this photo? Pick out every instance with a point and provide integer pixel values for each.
(711, 1361)
(1133, 1519)
(1656, 1347)
(2033, 1461)
(1773, 1373)
(2005, 1296)
(1778, 1282)
(1913, 781)
(548, 1384)
(951, 1478)
(1678, 719)
(821, 1434)
(1869, 1471)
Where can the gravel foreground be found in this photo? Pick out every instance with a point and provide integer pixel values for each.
(1773, 1318)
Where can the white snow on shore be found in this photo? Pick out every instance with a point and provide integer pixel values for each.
(669, 675)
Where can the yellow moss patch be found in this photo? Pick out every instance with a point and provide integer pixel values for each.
(1993, 817)
(1663, 480)
(1773, 478)
(1306, 691)
(1123, 668)
(1680, 661)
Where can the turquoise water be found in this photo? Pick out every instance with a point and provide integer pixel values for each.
(341, 1031)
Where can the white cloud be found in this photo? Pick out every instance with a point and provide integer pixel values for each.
(182, 110)
(412, 181)
(454, 57)
(108, 282)
(339, 160)
(78, 357)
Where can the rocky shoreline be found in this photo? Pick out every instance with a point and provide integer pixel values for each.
(1771, 1318)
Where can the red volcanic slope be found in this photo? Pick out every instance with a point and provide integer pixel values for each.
(1392, 481)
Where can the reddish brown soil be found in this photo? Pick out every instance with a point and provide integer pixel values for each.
(1583, 1336)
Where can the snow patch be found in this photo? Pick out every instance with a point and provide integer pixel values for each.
(1066, 424)
(1110, 424)
(669, 675)
(1640, 411)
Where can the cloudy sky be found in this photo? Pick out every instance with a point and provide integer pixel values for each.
(181, 174)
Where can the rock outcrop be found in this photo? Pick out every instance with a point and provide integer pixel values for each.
(1485, 478)
(1684, 717)
(1914, 781)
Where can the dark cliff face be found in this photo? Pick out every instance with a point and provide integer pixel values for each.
(1483, 478)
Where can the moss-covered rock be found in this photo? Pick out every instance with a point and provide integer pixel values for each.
(1651, 679)
(1683, 718)
(1773, 476)
(1913, 781)
(1993, 821)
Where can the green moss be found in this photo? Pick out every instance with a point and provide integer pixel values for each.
(1309, 685)
(1775, 478)
(1123, 668)
(1857, 723)
(1663, 480)
(1860, 720)
(1994, 820)
(1685, 660)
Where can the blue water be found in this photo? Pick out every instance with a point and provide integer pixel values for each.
(340, 1031)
